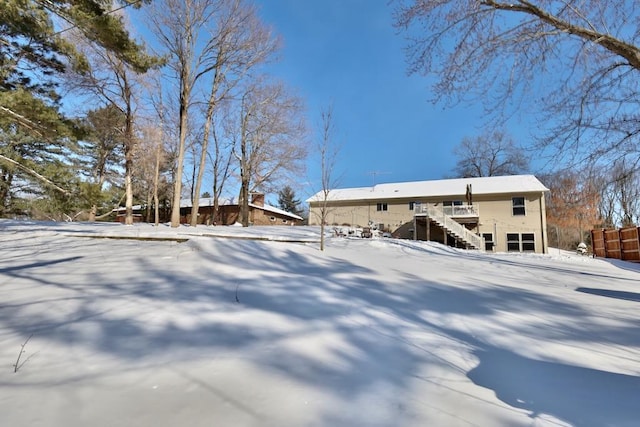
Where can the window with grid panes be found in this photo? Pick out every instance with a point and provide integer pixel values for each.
(528, 242)
(513, 242)
(518, 206)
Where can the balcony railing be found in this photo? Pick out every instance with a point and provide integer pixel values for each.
(462, 211)
(459, 211)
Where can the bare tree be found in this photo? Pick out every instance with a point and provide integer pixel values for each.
(624, 193)
(270, 138)
(607, 207)
(115, 83)
(572, 206)
(490, 154)
(151, 162)
(162, 155)
(575, 63)
(240, 43)
(220, 160)
(328, 155)
(180, 26)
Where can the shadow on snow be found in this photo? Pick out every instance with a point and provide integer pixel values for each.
(312, 295)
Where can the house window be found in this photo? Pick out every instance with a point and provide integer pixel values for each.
(272, 218)
(525, 242)
(412, 206)
(489, 244)
(452, 203)
(381, 207)
(528, 242)
(518, 205)
(513, 242)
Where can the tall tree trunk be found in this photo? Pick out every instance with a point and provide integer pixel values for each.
(195, 206)
(185, 94)
(148, 203)
(244, 202)
(211, 107)
(220, 175)
(156, 179)
(128, 167)
(245, 173)
(129, 149)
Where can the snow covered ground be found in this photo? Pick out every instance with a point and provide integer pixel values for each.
(257, 327)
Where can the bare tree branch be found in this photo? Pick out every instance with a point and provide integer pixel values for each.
(573, 66)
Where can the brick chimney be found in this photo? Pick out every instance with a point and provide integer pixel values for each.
(257, 199)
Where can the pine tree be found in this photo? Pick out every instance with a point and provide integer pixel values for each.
(102, 153)
(33, 56)
(28, 153)
(287, 201)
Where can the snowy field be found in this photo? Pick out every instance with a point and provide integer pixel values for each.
(227, 326)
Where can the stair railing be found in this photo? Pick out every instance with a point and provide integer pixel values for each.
(447, 222)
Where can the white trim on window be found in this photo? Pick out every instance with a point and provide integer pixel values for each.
(521, 242)
(489, 244)
(518, 207)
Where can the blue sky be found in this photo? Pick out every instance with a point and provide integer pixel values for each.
(348, 53)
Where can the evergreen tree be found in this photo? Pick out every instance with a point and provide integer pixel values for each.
(287, 201)
(33, 56)
(33, 50)
(102, 152)
(27, 154)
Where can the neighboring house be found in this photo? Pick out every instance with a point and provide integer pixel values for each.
(502, 213)
(229, 212)
(121, 213)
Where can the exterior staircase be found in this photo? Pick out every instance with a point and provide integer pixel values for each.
(451, 226)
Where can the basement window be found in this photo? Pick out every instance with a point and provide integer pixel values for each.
(528, 242)
(521, 242)
(488, 241)
(513, 242)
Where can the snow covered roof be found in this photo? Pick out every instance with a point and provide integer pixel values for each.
(205, 201)
(208, 201)
(124, 208)
(439, 188)
(273, 209)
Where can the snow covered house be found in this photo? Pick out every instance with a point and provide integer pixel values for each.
(229, 212)
(502, 213)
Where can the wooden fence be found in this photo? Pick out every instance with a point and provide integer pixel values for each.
(623, 243)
